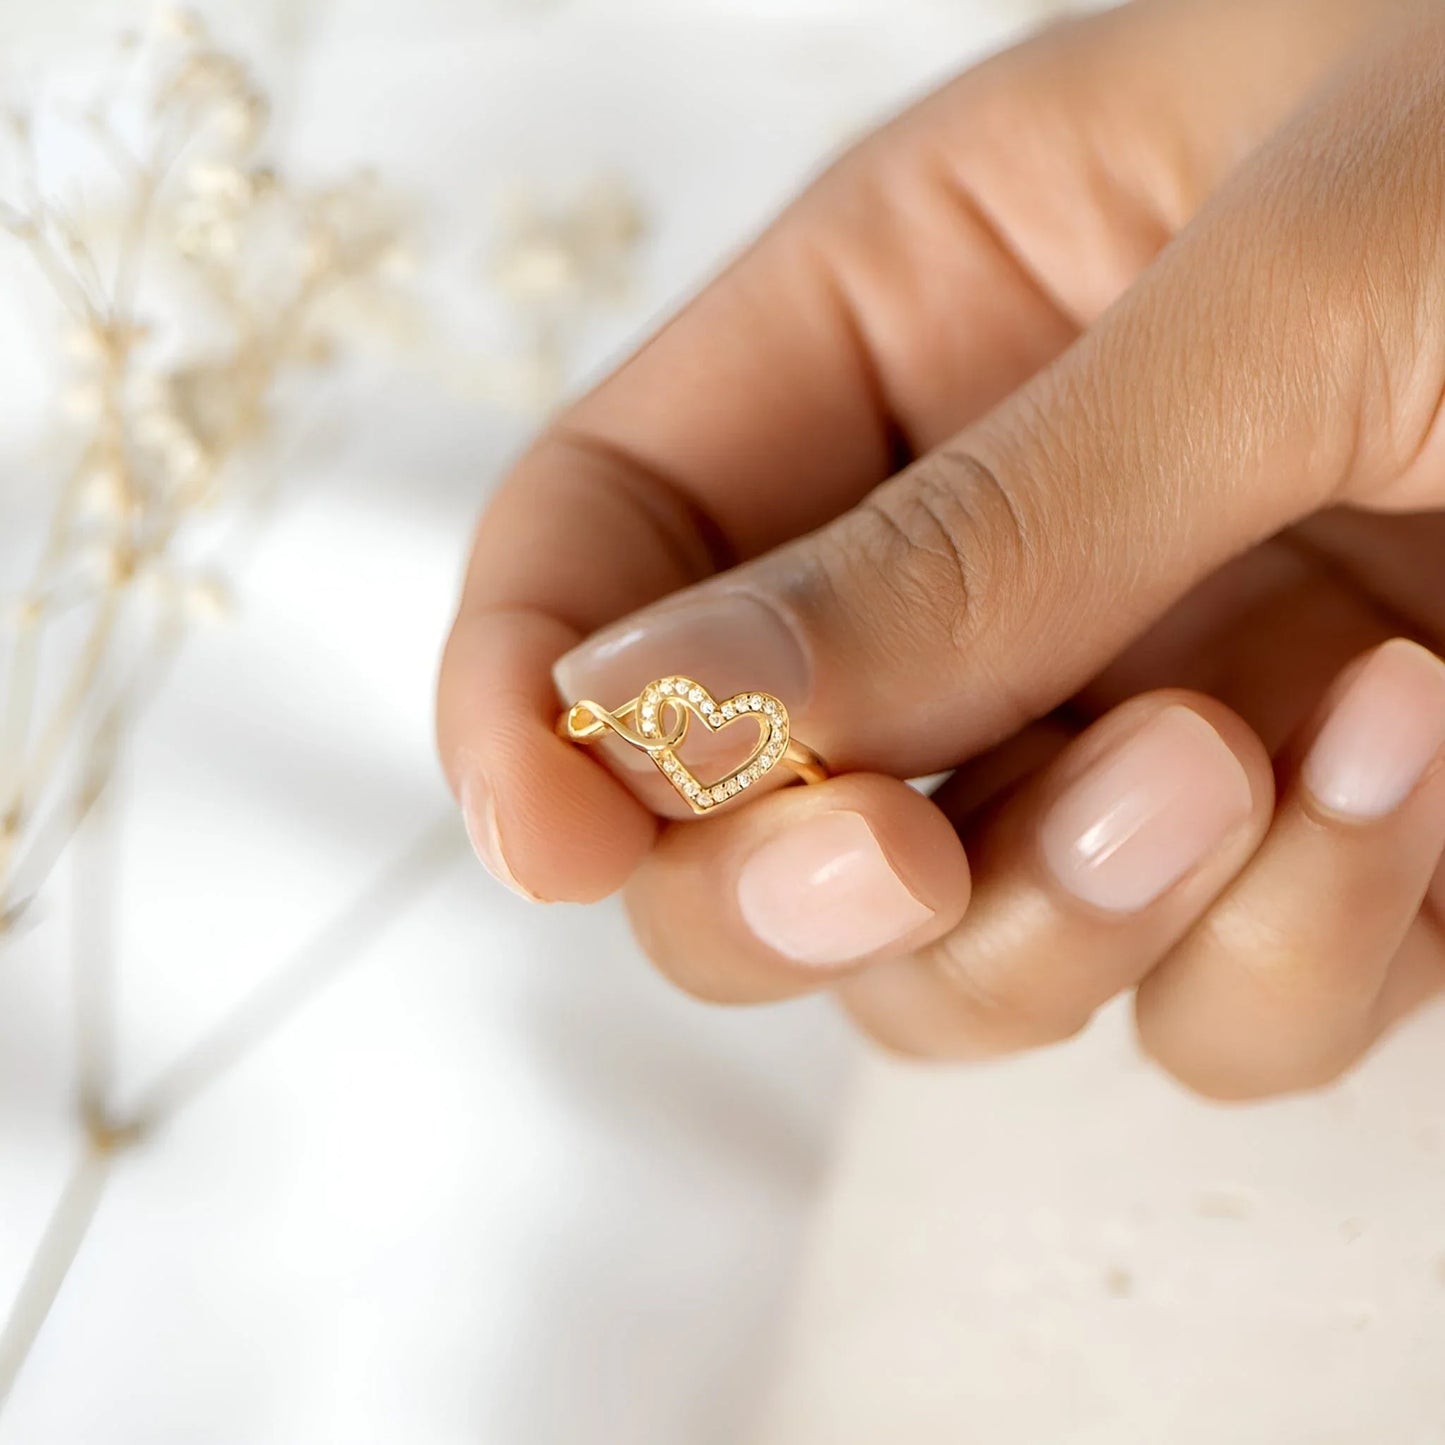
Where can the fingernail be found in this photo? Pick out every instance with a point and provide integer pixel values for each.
(730, 642)
(1383, 735)
(824, 892)
(479, 813)
(1147, 813)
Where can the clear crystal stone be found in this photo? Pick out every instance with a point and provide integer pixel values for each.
(719, 793)
(695, 695)
(765, 762)
(756, 701)
(771, 708)
(716, 719)
(732, 786)
(707, 709)
(744, 781)
(664, 687)
(727, 709)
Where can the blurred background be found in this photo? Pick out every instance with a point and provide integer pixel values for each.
(308, 1132)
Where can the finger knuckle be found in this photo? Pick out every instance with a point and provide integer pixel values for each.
(946, 540)
(912, 1045)
(1006, 1009)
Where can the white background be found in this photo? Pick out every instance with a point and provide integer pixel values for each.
(498, 1184)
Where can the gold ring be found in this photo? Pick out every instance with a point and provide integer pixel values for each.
(657, 719)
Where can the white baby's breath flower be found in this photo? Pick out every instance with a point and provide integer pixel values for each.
(557, 264)
(243, 273)
(83, 402)
(179, 22)
(84, 343)
(541, 269)
(107, 491)
(242, 119)
(222, 181)
(208, 599)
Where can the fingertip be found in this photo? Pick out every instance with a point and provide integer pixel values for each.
(552, 825)
(544, 819)
(1320, 944)
(861, 870)
(1161, 801)
(794, 890)
(1380, 733)
(1086, 873)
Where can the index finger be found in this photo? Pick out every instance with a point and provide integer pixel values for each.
(773, 402)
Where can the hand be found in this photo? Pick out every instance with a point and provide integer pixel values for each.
(1153, 307)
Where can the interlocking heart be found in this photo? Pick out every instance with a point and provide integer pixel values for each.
(664, 708)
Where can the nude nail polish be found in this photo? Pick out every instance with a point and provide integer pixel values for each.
(1383, 735)
(823, 892)
(1146, 814)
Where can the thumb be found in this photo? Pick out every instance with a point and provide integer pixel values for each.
(1269, 364)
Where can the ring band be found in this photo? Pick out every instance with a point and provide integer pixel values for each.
(657, 720)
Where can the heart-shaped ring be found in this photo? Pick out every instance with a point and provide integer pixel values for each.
(657, 721)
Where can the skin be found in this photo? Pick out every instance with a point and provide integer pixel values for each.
(1108, 378)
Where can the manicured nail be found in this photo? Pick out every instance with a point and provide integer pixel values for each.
(824, 892)
(1147, 813)
(728, 641)
(1383, 735)
(479, 813)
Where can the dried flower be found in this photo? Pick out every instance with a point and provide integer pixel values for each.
(557, 266)
(247, 277)
(246, 273)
